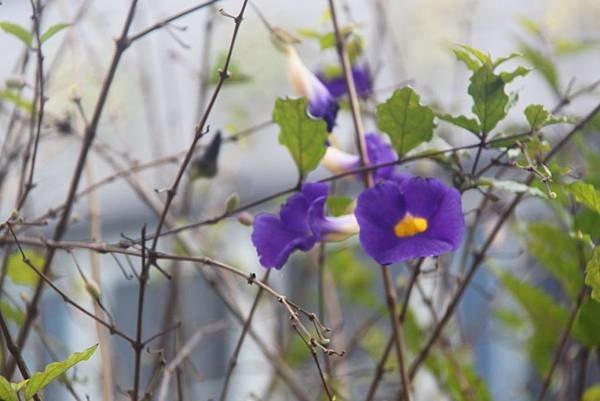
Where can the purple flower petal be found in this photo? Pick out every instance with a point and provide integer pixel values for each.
(381, 208)
(337, 85)
(322, 105)
(377, 211)
(274, 242)
(380, 152)
(275, 238)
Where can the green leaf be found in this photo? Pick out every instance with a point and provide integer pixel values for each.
(586, 194)
(504, 59)
(303, 136)
(11, 313)
(546, 316)
(353, 279)
(405, 120)
(470, 124)
(587, 222)
(6, 391)
(489, 99)
(21, 273)
(338, 205)
(512, 186)
(463, 56)
(536, 115)
(539, 117)
(17, 31)
(327, 40)
(53, 30)
(53, 370)
(557, 252)
(592, 393)
(520, 71)
(236, 75)
(587, 324)
(480, 55)
(592, 274)
(541, 63)
(504, 142)
(16, 99)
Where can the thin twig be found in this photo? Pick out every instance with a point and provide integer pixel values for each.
(185, 352)
(238, 347)
(200, 128)
(583, 293)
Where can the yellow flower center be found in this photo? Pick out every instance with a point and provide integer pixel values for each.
(409, 226)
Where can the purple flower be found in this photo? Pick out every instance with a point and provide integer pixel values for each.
(337, 85)
(409, 218)
(378, 151)
(321, 103)
(301, 223)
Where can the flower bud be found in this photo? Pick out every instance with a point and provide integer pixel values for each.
(245, 218)
(231, 202)
(92, 288)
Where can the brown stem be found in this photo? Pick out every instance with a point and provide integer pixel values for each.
(238, 347)
(397, 329)
(583, 293)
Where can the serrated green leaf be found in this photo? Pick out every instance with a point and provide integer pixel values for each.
(508, 77)
(6, 391)
(512, 186)
(587, 194)
(16, 99)
(11, 313)
(53, 370)
(592, 393)
(405, 120)
(303, 136)
(21, 273)
(53, 30)
(541, 63)
(592, 274)
(470, 62)
(489, 100)
(470, 124)
(17, 31)
(536, 115)
(557, 252)
(338, 205)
